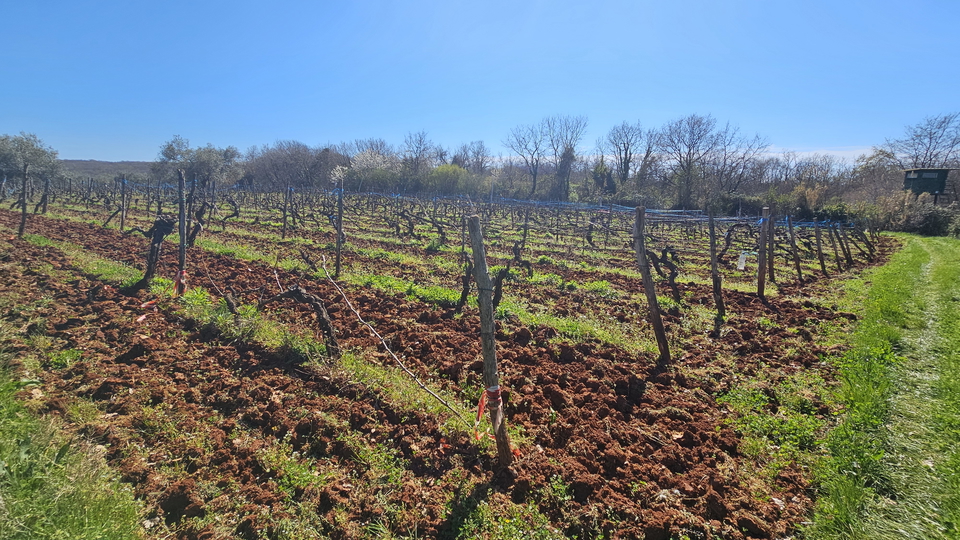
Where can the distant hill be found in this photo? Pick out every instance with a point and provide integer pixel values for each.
(87, 168)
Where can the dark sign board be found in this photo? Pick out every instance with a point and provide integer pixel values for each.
(925, 180)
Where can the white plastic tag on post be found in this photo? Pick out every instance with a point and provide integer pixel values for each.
(742, 261)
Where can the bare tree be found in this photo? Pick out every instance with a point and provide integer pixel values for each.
(688, 142)
(563, 135)
(874, 176)
(933, 143)
(622, 142)
(418, 153)
(292, 164)
(632, 152)
(374, 145)
(528, 142)
(461, 157)
(563, 132)
(475, 157)
(732, 161)
(479, 158)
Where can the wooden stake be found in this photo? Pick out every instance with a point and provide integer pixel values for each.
(491, 378)
(833, 243)
(762, 254)
(823, 265)
(793, 247)
(717, 291)
(652, 304)
(286, 204)
(771, 250)
(123, 202)
(336, 272)
(180, 282)
(844, 245)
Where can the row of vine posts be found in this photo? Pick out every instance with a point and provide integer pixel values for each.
(441, 216)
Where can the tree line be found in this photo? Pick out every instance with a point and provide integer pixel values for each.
(693, 162)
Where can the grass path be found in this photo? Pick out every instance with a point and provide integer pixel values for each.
(903, 482)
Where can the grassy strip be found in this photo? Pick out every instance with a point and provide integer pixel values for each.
(431, 294)
(110, 271)
(246, 253)
(50, 487)
(574, 328)
(947, 390)
(886, 476)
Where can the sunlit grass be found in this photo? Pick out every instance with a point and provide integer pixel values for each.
(581, 328)
(891, 470)
(108, 270)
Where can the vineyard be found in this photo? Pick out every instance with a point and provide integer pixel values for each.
(320, 373)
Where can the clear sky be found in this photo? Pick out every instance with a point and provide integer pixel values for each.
(114, 80)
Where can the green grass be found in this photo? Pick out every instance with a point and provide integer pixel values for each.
(105, 269)
(582, 328)
(51, 487)
(892, 470)
(507, 522)
(779, 421)
(249, 325)
(247, 253)
(399, 389)
(432, 294)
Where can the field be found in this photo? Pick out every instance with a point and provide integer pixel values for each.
(230, 418)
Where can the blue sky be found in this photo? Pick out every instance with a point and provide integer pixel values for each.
(114, 80)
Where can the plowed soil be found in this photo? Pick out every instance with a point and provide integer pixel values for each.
(187, 418)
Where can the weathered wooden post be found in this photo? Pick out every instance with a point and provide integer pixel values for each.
(823, 265)
(861, 234)
(491, 378)
(771, 249)
(762, 254)
(639, 246)
(123, 202)
(833, 243)
(23, 201)
(180, 285)
(845, 245)
(714, 273)
(336, 272)
(793, 248)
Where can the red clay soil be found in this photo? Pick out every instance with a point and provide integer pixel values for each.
(647, 452)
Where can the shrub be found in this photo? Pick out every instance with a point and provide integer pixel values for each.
(930, 220)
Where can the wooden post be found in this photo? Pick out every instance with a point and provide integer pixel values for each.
(823, 265)
(793, 247)
(639, 246)
(23, 201)
(526, 227)
(762, 254)
(717, 292)
(286, 203)
(833, 244)
(123, 202)
(861, 234)
(491, 378)
(845, 244)
(180, 283)
(771, 232)
(46, 195)
(336, 273)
